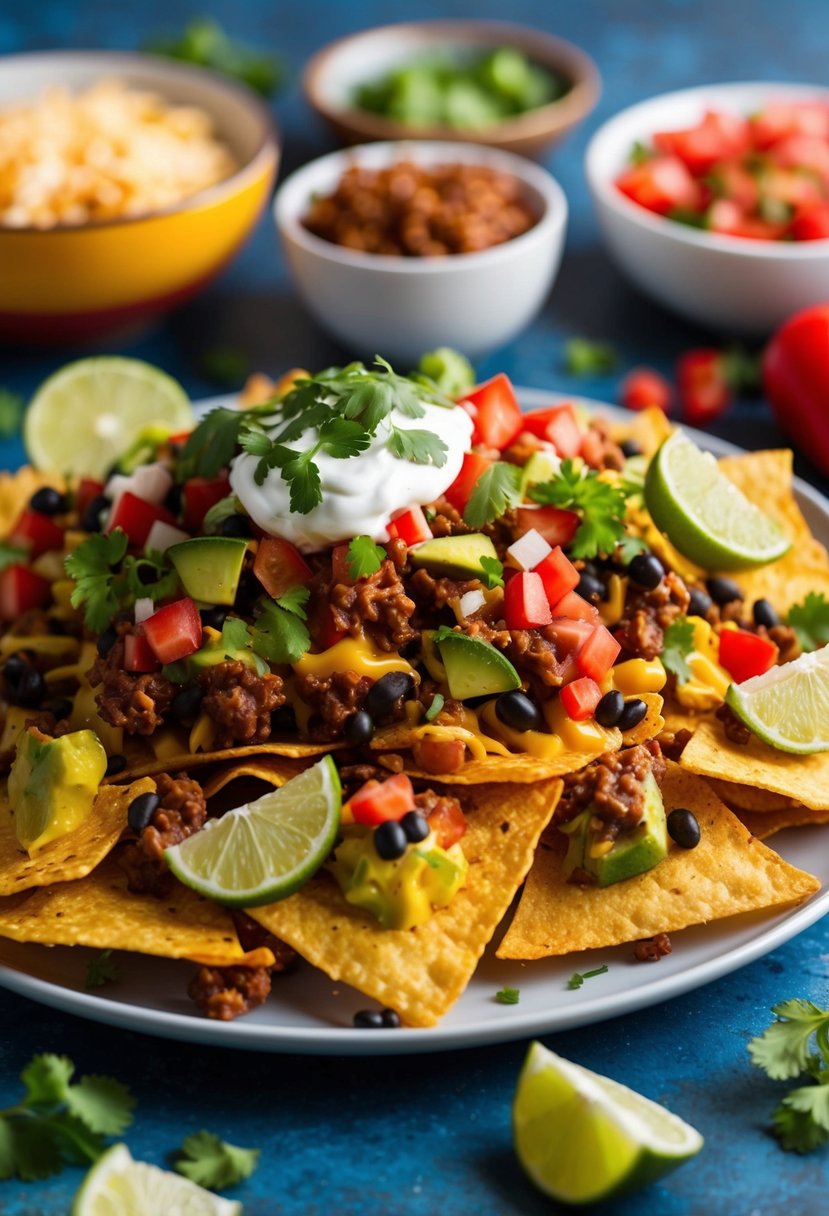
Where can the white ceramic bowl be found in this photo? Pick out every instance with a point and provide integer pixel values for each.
(400, 307)
(723, 282)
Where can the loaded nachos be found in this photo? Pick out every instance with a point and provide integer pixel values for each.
(334, 673)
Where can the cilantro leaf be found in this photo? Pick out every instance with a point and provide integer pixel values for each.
(600, 505)
(10, 555)
(46, 1078)
(797, 1129)
(212, 445)
(224, 509)
(782, 1051)
(584, 358)
(496, 490)
(577, 978)
(418, 446)
(630, 547)
(508, 996)
(11, 413)
(213, 1163)
(205, 43)
(363, 558)
(438, 702)
(677, 644)
(101, 970)
(303, 477)
(493, 572)
(810, 621)
(280, 634)
(91, 567)
(149, 577)
(442, 633)
(36, 1147)
(342, 438)
(103, 1104)
(449, 371)
(294, 600)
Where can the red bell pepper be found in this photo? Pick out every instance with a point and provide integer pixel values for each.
(174, 631)
(379, 801)
(525, 602)
(135, 517)
(643, 388)
(199, 495)
(410, 526)
(559, 425)
(279, 566)
(87, 489)
(498, 417)
(796, 381)
(558, 574)
(580, 698)
(139, 654)
(598, 654)
(702, 385)
(744, 654)
(35, 532)
(556, 525)
(460, 491)
(327, 634)
(20, 590)
(575, 608)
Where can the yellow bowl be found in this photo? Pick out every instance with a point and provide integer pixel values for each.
(70, 283)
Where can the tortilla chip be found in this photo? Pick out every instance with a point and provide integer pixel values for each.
(421, 972)
(101, 911)
(768, 823)
(73, 855)
(275, 771)
(648, 428)
(15, 491)
(152, 765)
(803, 779)
(748, 797)
(728, 872)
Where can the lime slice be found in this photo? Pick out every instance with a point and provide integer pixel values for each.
(265, 850)
(85, 415)
(118, 1186)
(704, 514)
(788, 706)
(583, 1138)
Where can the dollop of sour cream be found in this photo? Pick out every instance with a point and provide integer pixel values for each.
(361, 493)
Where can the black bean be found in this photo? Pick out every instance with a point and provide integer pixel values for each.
(632, 714)
(141, 811)
(590, 588)
(515, 709)
(699, 603)
(147, 574)
(610, 708)
(359, 729)
(115, 764)
(368, 1019)
(172, 500)
(248, 591)
(213, 618)
(57, 627)
(91, 518)
(14, 669)
(61, 707)
(187, 703)
(390, 1019)
(30, 690)
(723, 590)
(390, 840)
(388, 690)
(416, 826)
(647, 570)
(683, 828)
(48, 501)
(631, 448)
(106, 642)
(235, 525)
(764, 614)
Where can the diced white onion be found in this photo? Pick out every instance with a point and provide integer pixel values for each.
(143, 608)
(162, 535)
(528, 550)
(152, 482)
(471, 602)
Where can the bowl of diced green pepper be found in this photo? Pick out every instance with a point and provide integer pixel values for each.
(485, 82)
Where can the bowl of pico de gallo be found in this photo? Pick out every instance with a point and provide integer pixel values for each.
(715, 200)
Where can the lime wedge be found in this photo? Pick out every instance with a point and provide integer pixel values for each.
(118, 1186)
(265, 850)
(582, 1138)
(704, 514)
(85, 415)
(788, 706)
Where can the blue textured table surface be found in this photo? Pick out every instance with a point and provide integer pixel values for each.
(425, 1135)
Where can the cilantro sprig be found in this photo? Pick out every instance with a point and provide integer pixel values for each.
(677, 644)
(810, 621)
(363, 558)
(280, 634)
(508, 996)
(496, 490)
(10, 555)
(600, 505)
(101, 970)
(797, 1043)
(107, 580)
(213, 1163)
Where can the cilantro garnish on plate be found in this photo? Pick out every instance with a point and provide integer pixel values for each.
(578, 977)
(107, 580)
(508, 996)
(677, 644)
(496, 490)
(810, 621)
(364, 558)
(102, 970)
(600, 505)
(797, 1043)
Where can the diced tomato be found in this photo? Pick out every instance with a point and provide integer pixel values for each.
(439, 755)
(279, 566)
(804, 152)
(663, 184)
(570, 635)
(811, 223)
(796, 380)
(598, 654)
(557, 526)
(744, 654)
(558, 574)
(559, 425)
(737, 185)
(782, 119)
(644, 388)
(174, 631)
(339, 565)
(573, 606)
(135, 517)
(410, 526)
(593, 449)
(448, 822)
(139, 654)
(716, 138)
(379, 801)
(35, 532)
(498, 415)
(725, 217)
(702, 385)
(792, 186)
(87, 489)
(580, 698)
(327, 634)
(179, 437)
(199, 495)
(474, 464)
(525, 602)
(21, 590)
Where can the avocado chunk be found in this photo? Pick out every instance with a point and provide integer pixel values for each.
(453, 556)
(53, 783)
(209, 567)
(633, 853)
(474, 668)
(541, 466)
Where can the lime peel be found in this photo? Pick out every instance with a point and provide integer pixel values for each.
(117, 1185)
(788, 706)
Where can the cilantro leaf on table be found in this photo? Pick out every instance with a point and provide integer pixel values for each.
(492, 572)
(101, 970)
(496, 490)
(205, 43)
(363, 558)
(213, 1163)
(508, 996)
(797, 1043)
(11, 413)
(91, 567)
(279, 631)
(600, 505)
(810, 621)
(677, 644)
(11, 554)
(586, 358)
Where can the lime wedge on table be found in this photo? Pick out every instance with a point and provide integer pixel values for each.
(118, 1186)
(788, 707)
(82, 418)
(583, 1138)
(704, 514)
(265, 850)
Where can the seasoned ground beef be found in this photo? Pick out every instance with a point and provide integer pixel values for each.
(446, 520)
(252, 936)
(735, 730)
(225, 993)
(599, 451)
(444, 814)
(333, 700)
(433, 593)
(181, 812)
(138, 703)
(652, 949)
(613, 786)
(523, 448)
(377, 605)
(240, 702)
(648, 614)
(673, 744)
(785, 639)
(533, 653)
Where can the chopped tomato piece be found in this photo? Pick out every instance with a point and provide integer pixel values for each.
(573, 606)
(279, 566)
(781, 119)
(663, 184)
(702, 385)
(557, 526)
(804, 153)
(598, 654)
(139, 654)
(327, 633)
(644, 388)
(744, 654)
(174, 631)
(811, 223)
(410, 526)
(498, 416)
(737, 185)
(87, 489)
(474, 464)
(448, 822)
(36, 533)
(559, 425)
(199, 495)
(135, 517)
(580, 698)
(378, 801)
(718, 137)
(558, 574)
(21, 590)
(570, 635)
(525, 602)
(439, 755)
(339, 564)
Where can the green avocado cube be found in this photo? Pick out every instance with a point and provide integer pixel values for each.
(632, 853)
(209, 567)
